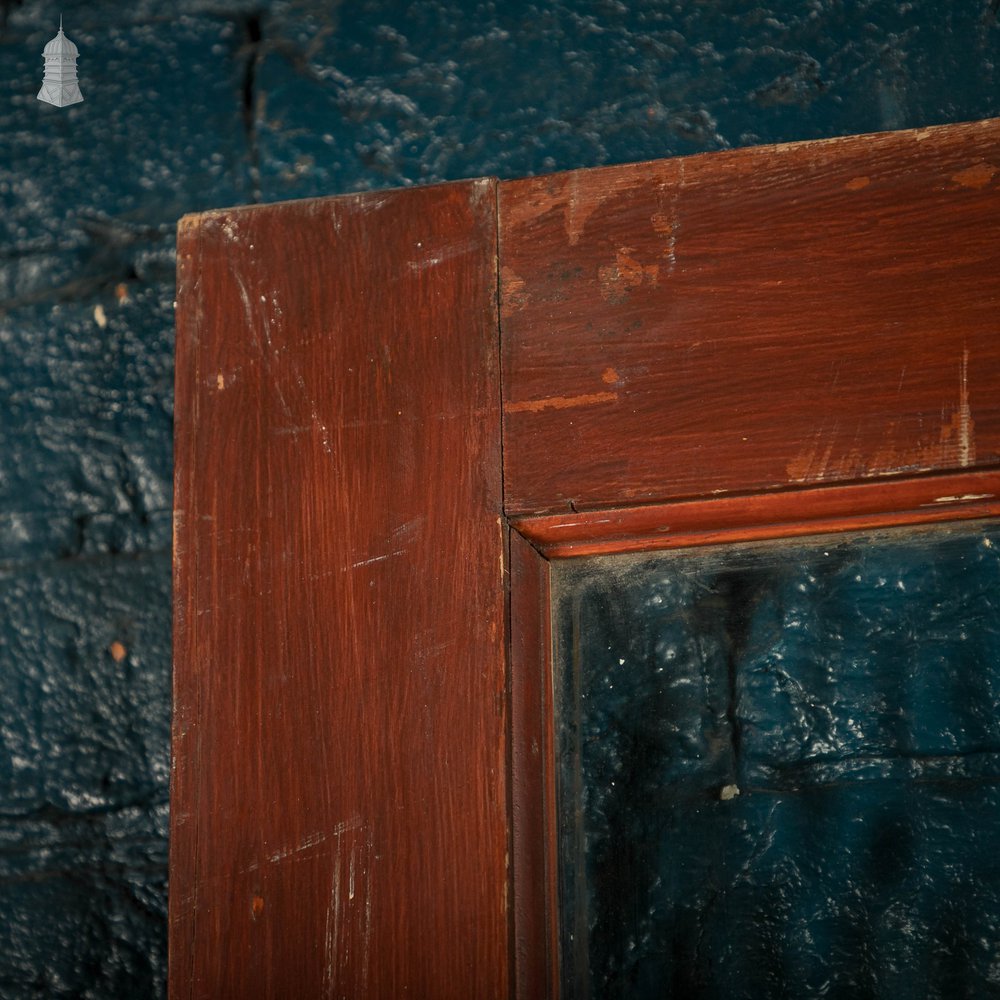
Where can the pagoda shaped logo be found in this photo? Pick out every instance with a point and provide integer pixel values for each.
(59, 86)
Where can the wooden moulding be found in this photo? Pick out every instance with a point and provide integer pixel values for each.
(537, 541)
(339, 799)
(534, 868)
(883, 504)
(750, 320)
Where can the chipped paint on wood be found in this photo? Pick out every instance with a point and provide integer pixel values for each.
(664, 227)
(976, 177)
(560, 402)
(620, 279)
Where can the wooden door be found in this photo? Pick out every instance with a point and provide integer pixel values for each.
(377, 466)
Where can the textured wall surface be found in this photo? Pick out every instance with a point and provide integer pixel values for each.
(783, 761)
(199, 104)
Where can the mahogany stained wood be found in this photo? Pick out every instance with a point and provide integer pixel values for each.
(818, 510)
(749, 320)
(533, 797)
(339, 802)
(761, 323)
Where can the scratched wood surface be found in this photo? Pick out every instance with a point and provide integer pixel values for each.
(339, 800)
(749, 320)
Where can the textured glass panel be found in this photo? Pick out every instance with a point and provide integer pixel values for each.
(779, 769)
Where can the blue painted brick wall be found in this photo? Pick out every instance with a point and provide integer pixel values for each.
(199, 104)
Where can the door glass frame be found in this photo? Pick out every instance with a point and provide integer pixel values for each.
(536, 541)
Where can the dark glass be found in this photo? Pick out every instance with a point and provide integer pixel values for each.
(779, 769)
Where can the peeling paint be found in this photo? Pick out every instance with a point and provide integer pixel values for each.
(857, 183)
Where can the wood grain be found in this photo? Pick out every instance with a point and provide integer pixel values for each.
(812, 313)
(339, 812)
